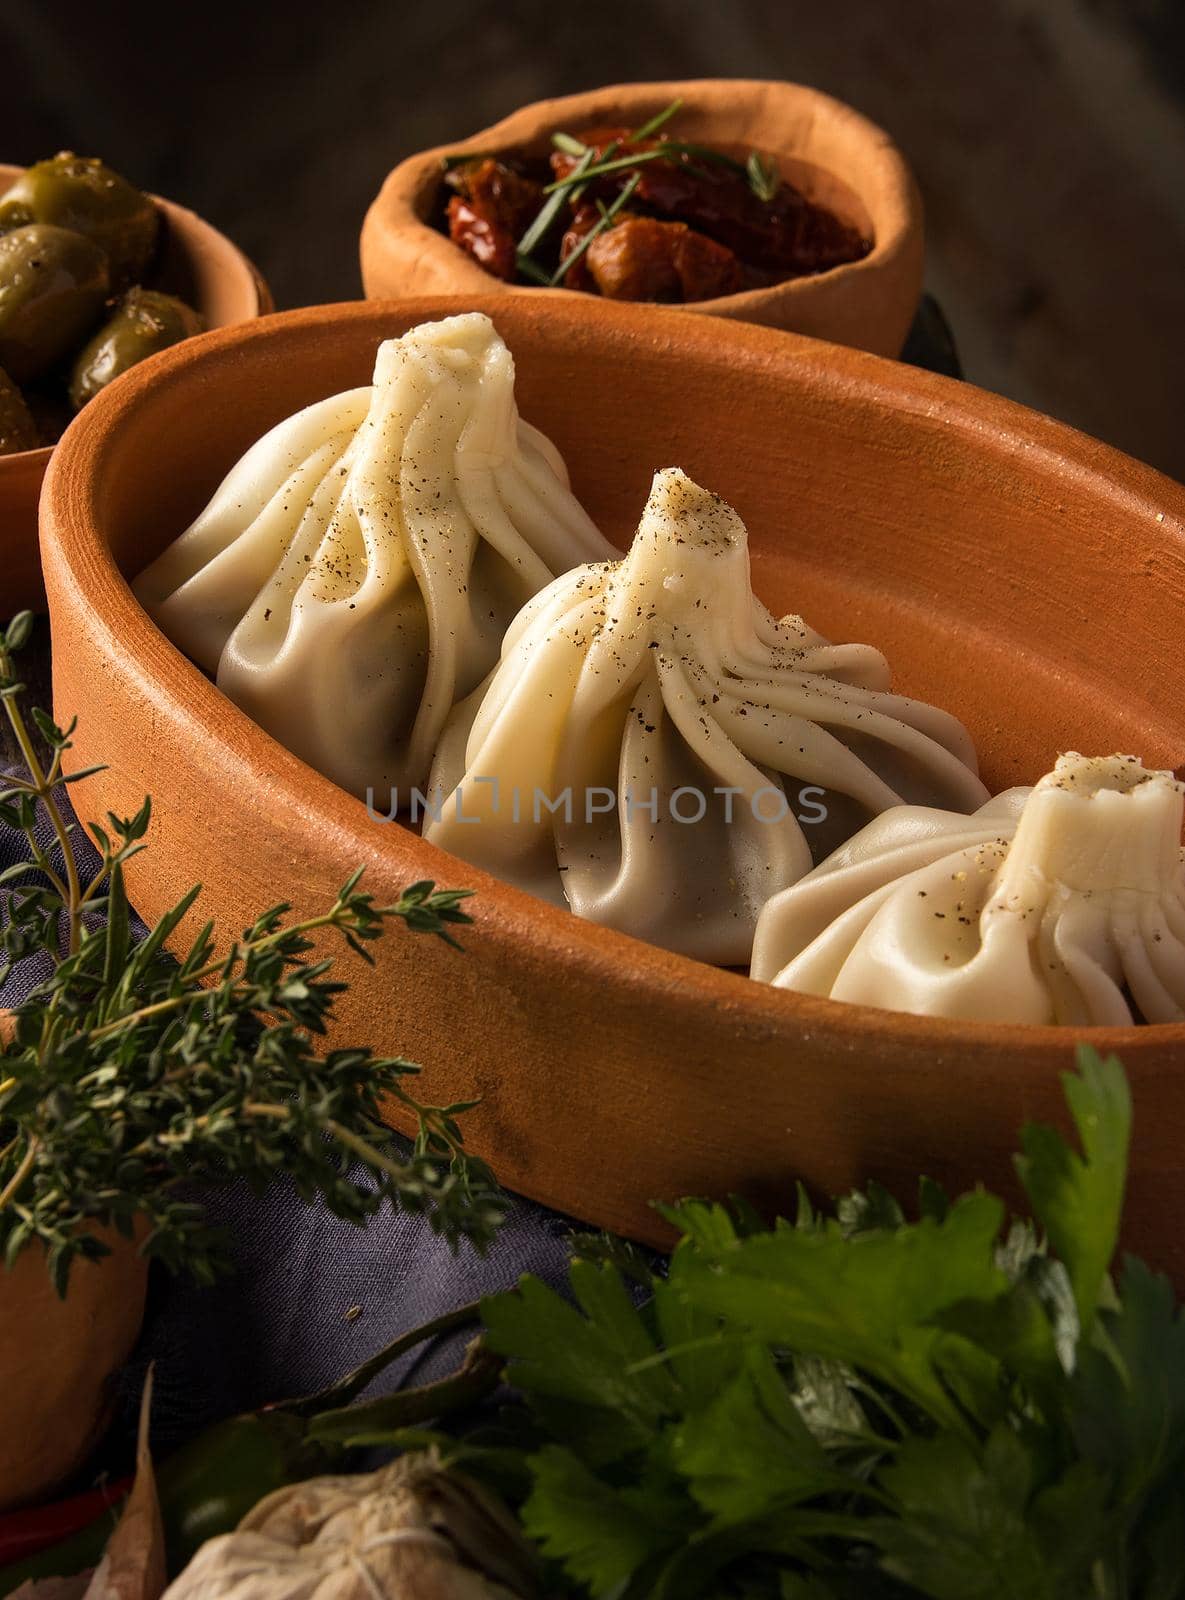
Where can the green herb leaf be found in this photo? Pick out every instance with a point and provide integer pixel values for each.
(602, 1534)
(1078, 1200)
(16, 635)
(1128, 1391)
(864, 1407)
(964, 1529)
(547, 216)
(659, 120)
(749, 1453)
(130, 1073)
(604, 222)
(569, 145)
(869, 1300)
(763, 175)
(462, 158)
(603, 169)
(590, 1357)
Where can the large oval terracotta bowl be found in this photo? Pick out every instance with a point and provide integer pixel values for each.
(196, 262)
(1027, 578)
(830, 152)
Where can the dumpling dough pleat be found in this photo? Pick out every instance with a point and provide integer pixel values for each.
(355, 573)
(640, 750)
(1060, 904)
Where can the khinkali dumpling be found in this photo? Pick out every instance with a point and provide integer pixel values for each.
(353, 576)
(641, 749)
(1059, 904)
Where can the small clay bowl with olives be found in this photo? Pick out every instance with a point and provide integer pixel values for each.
(95, 276)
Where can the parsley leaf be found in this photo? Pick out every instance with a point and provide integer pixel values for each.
(603, 1534)
(857, 1404)
(749, 1450)
(870, 1300)
(1078, 1200)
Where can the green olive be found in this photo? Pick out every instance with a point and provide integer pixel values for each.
(144, 323)
(80, 193)
(18, 431)
(50, 406)
(52, 287)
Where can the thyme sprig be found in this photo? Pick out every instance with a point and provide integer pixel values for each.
(127, 1075)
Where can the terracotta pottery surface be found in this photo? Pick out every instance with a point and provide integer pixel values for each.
(58, 1358)
(1026, 578)
(835, 155)
(196, 262)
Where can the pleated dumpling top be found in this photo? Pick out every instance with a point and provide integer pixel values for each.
(354, 574)
(652, 736)
(1064, 903)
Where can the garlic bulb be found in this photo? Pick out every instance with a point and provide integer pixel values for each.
(1060, 904)
(410, 1531)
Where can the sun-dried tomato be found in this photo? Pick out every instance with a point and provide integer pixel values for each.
(584, 220)
(490, 212)
(644, 259)
(788, 235)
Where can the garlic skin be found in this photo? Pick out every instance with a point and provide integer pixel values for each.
(412, 1529)
(1060, 904)
(663, 673)
(353, 576)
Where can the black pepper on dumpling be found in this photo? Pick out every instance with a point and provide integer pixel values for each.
(660, 753)
(353, 576)
(1064, 904)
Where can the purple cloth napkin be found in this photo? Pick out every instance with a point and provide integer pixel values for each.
(309, 1296)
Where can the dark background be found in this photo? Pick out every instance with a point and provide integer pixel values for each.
(1048, 136)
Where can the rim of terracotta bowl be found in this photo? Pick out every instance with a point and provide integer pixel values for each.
(999, 428)
(237, 291)
(887, 190)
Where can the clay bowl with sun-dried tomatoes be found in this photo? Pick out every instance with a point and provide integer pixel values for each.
(842, 259)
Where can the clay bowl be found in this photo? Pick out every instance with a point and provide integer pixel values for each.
(196, 262)
(1025, 577)
(824, 147)
(59, 1359)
